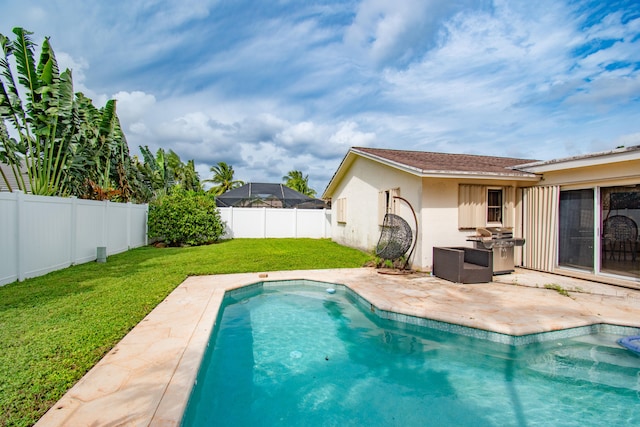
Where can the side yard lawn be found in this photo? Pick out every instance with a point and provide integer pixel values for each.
(54, 328)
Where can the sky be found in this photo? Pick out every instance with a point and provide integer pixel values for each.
(270, 86)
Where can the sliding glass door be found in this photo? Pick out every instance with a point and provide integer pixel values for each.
(612, 236)
(576, 229)
(619, 243)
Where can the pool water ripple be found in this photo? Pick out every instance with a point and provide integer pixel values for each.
(300, 356)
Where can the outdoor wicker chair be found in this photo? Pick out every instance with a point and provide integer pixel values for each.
(462, 264)
(620, 237)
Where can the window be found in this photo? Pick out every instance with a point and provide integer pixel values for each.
(494, 206)
(387, 203)
(341, 210)
(481, 206)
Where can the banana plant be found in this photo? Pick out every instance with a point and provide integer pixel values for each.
(68, 146)
(44, 123)
(184, 174)
(10, 110)
(159, 176)
(190, 179)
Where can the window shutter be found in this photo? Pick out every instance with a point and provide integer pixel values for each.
(540, 227)
(341, 208)
(472, 206)
(395, 203)
(382, 206)
(509, 207)
(387, 203)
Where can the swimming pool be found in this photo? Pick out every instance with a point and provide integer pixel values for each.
(296, 355)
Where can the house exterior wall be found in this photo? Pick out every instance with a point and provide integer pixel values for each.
(12, 184)
(439, 218)
(439, 215)
(597, 176)
(360, 187)
(435, 201)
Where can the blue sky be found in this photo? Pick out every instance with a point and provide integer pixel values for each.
(271, 86)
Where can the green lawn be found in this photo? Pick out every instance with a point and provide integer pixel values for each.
(54, 328)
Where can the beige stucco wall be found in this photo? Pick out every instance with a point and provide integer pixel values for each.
(440, 214)
(435, 201)
(360, 185)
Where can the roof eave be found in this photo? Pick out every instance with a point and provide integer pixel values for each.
(394, 164)
(346, 162)
(353, 152)
(447, 174)
(595, 159)
(479, 175)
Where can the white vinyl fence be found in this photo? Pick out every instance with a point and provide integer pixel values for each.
(279, 223)
(39, 234)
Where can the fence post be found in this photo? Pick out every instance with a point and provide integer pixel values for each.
(264, 223)
(295, 223)
(146, 224)
(74, 230)
(128, 231)
(20, 225)
(105, 226)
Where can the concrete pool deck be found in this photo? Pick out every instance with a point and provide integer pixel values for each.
(147, 377)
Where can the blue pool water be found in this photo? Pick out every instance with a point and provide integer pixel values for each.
(299, 356)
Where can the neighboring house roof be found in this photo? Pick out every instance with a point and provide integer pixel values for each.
(259, 194)
(8, 172)
(620, 154)
(445, 165)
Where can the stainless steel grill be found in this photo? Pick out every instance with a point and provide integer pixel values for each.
(502, 242)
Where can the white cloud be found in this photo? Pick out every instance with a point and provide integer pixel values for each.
(133, 106)
(347, 135)
(397, 31)
(292, 85)
(629, 140)
(606, 93)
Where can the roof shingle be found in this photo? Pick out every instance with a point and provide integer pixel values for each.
(444, 162)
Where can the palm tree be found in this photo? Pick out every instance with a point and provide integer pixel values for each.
(299, 182)
(223, 177)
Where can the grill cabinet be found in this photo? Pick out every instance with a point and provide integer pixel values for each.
(501, 241)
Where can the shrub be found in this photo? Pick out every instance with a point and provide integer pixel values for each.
(185, 217)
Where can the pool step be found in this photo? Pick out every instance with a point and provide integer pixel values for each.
(615, 367)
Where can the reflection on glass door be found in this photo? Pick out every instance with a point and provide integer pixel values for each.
(620, 247)
(576, 229)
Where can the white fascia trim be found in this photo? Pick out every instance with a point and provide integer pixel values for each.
(596, 159)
